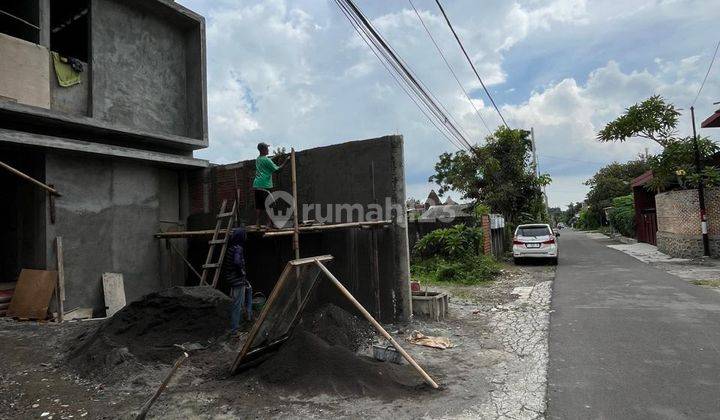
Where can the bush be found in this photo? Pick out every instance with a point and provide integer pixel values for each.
(471, 269)
(622, 215)
(452, 243)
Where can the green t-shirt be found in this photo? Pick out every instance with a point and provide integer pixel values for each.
(264, 168)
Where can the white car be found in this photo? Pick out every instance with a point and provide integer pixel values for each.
(535, 241)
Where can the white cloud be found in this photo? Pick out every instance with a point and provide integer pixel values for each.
(294, 73)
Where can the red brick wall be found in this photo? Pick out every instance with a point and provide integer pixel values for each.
(209, 187)
(487, 244)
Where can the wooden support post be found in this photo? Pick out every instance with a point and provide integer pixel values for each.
(146, 407)
(60, 278)
(177, 251)
(296, 226)
(376, 324)
(50, 189)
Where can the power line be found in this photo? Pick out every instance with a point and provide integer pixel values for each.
(471, 63)
(426, 101)
(706, 74)
(450, 67)
(404, 89)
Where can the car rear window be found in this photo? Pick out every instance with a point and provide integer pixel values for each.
(533, 231)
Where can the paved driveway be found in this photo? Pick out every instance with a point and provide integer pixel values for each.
(629, 341)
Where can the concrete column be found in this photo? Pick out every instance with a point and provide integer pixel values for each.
(403, 306)
(44, 23)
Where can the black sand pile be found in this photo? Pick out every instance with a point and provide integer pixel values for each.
(147, 330)
(339, 327)
(320, 357)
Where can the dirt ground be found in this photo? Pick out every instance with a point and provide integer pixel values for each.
(476, 375)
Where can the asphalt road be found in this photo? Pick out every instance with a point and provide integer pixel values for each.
(629, 341)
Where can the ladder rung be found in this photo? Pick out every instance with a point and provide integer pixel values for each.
(217, 241)
(227, 214)
(211, 265)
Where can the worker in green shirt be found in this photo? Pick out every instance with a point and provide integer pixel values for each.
(262, 184)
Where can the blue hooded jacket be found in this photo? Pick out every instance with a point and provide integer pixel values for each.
(234, 262)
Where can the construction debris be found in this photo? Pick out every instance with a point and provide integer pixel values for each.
(114, 292)
(32, 295)
(420, 339)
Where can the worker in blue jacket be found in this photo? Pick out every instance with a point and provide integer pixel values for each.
(236, 277)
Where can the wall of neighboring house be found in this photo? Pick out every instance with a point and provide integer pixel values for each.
(337, 174)
(678, 220)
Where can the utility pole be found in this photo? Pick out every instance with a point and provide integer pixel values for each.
(532, 141)
(537, 169)
(701, 188)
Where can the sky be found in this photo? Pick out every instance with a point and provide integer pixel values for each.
(294, 73)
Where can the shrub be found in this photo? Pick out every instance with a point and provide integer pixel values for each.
(622, 215)
(471, 269)
(451, 243)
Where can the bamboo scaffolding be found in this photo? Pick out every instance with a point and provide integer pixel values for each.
(276, 232)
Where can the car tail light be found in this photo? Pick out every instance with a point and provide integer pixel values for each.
(550, 241)
(517, 242)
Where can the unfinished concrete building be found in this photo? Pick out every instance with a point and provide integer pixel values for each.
(105, 101)
(114, 135)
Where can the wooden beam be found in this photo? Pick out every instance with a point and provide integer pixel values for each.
(274, 232)
(61, 278)
(308, 260)
(376, 324)
(22, 175)
(296, 232)
(328, 227)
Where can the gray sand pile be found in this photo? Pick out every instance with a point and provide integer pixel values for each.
(147, 330)
(320, 357)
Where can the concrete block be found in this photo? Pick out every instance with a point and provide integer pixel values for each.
(431, 305)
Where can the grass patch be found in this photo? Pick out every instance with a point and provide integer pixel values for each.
(467, 270)
(706, 283)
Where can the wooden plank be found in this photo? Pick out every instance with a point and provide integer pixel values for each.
(377, 325)
(306, 229)
(309, 260)
(60, 292)
(29, 178)
(32, 294)
(79, 313)
(114, 291)
(274, 232)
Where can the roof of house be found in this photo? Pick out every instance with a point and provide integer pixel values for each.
(433, 198)
(642, 179)
(712, 121)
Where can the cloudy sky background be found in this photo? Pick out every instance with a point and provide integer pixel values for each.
(295, 74)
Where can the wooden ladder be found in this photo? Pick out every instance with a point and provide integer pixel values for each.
(226, 231)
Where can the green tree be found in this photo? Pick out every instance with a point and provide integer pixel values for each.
(498, 174)
(674, 168)
(652, 119)
(609, 182)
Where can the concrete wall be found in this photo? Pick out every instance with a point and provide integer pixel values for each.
(678, 216)
(147, 68)
(107, 215)
(24, 72)
(73, 100)
(337, 174)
